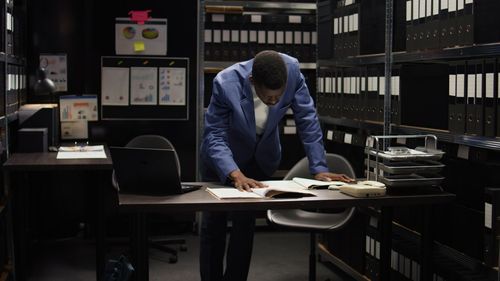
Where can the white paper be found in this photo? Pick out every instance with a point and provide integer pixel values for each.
(297, 37)
(348, 138)
(235, 36)
(143, 85)
(280, 37)
(244, 36)
(452, 80)
(479, 85)
(91, 152)
(152, 34)
(489, 85)
(115, 86)
(262, 37)
(471, 85)
(271, 37)
(74, 130)
(460, 85)
(56, 70)
(173, 86)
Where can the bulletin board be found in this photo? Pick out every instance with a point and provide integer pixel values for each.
(144, 88)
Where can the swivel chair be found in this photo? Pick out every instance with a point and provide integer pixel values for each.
(158, 142)
(310, 220)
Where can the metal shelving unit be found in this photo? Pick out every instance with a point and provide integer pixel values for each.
(264, 5)
(223, 64)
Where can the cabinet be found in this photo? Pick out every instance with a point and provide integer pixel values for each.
(13, 84)
(237, 30)
(419, 67)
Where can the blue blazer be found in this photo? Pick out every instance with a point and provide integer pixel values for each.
(229, 138)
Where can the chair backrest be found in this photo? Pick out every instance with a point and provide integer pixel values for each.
(336, 164)
(149, 141)
(154, 141)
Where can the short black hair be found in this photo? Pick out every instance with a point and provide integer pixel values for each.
(269, 70)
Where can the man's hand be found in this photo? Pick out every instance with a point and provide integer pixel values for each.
(326, 176)
(242, 183)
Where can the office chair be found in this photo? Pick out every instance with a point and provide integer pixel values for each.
(311, 220)
(159, 142)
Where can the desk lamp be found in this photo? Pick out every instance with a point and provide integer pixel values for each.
(44, 85)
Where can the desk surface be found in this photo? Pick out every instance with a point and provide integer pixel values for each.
(40, 161)
(201, 200)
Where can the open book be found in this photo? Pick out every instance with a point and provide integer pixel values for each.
(298, 187)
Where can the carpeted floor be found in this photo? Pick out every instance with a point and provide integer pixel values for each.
(277, 256)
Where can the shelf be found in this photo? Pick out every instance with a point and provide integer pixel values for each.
(254, 5)
(484, 50)
(325, 254)
(11, 59)
(12, 116)
(442, 135)
(216, 66)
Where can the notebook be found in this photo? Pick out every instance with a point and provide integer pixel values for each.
(147, 171)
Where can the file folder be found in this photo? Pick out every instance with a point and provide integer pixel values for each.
(460, 117)
(395, 93)
(489, 120)
(491, 228)
(452, 94)
(325, 27)
(470, 99)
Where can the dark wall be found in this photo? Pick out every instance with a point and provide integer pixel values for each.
(84, 30)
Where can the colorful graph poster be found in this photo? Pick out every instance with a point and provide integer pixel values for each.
(115, 86)
(143, 85)
(78, 108)
(56, 70)
(172, 86)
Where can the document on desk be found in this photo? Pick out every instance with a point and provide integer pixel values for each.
(81, 152)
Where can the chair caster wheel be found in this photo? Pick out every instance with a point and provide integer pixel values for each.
(172, 260)
(183, 248)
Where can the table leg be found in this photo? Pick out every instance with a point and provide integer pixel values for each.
(100, 222)
(140, 247)
(386, 243)
(426, 245)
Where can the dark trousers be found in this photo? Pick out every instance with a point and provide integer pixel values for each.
(213, 237)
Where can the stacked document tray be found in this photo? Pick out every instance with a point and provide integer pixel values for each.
(399, 166)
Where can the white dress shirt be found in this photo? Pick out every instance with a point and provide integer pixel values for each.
(261, 113)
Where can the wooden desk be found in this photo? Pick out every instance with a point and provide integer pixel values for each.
(201, 200)
(23, 163)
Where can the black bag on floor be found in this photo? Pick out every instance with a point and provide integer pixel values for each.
(118, 270)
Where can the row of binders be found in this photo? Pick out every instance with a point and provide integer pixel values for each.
(235, 37)
(437, 24)
(473, 106)
(357, 93)
(16, 88)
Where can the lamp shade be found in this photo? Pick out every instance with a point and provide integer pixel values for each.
(43, 84)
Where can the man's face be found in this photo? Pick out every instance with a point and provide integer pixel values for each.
(268, 96)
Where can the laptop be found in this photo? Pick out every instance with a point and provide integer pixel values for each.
(148, 171)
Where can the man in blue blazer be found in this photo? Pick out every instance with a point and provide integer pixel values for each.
(241, 146)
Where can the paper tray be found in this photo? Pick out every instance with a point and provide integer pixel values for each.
(418, 155)
(410, 167)
(411, 180)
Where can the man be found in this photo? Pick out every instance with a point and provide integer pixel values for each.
(241, 147)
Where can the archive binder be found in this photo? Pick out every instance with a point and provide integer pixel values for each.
(489, 120)
(491, 214)
(452, 94)
(460, 100)
(325, 26)
(395, 90)
(470, 126)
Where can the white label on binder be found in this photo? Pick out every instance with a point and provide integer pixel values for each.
(253, 36)
(397, 86)
(256, 18)
(452, 5)
(244, 36)
(353, 85)
(226, 36)
(370, 84)
(377, 250)
(460, 5)
(469, 1)
(235, 36)
(367, 244)
(328, 85)
(479, 85)
(435, 7)
(262, 37)
(349, 2)
(346, 24)
(307, 37)
(415, 9)
(351, 23)
(488, 215)
(270, 37)
(348, 138)
(394, 260)
(356, 22)
(358, 85)
(320, 84)
(217, 17)
(363, 83)
(460, 85)
(314, 37)
(294, 19)
(288, 37)
(336, 26)
(347, 85)
(280, 37)
(217, 36)
(452, 78)
(297, 37)
(329, 135)
(208, 36)
(381, 85)
(408, 10)
(471, 85)
(334, 84)
(489, 85)
(463, 152)
(428, 8)
(444, 4)
(421, 9)
(372, 246)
